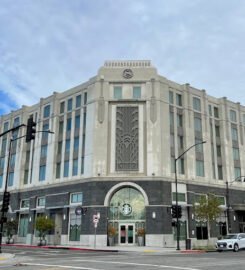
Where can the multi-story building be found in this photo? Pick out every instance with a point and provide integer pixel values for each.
(113, 151)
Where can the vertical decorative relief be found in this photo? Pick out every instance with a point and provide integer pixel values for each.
(153, 104)
(127, 139)
(101, 103)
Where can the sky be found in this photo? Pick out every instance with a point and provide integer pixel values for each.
(51, 46)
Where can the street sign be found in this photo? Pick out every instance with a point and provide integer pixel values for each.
(95, 219)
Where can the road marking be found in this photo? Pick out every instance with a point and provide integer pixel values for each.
(141, 264)
(61, 266)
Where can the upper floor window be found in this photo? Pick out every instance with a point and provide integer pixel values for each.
(179, 120)
(198, 124)
(61, 127)
(68, 124)
(178, 100)
(85, 98)
(77, 122)
(171, 97)
(210, 110)
(45, 134)
(67, 146)
(196, 104)
(216, 112)
(76, 144)
(236, 155)
(217, 131)
(199, 146)
(117, 92)
(1, 181)
(232, 116)
(69, 104)
(11, 179)
(44, 150)
(171, 119)
(25, 203)
(78, 101)
(199, 168)
(2, 163)
(234, 134)
(181, 197)
(62, 107)
(41, 202)
(5, 126)
(46, 111)
(42, 173)
(76, 197)
(237, 172)
(136, 92)
(16, 122)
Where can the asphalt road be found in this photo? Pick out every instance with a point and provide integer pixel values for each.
(53, 259)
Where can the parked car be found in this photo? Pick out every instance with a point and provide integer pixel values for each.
(233, 242)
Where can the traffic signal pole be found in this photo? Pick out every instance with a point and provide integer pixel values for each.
(3, 210)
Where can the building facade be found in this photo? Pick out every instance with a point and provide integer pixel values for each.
(112, 156)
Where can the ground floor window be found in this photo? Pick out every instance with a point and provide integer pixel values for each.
(75, 227)
(183, 231)
(23, 225)
(201, 231)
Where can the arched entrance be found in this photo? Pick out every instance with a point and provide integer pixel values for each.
(126, 214)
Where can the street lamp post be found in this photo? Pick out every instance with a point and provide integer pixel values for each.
(242, 179)
(176, 191)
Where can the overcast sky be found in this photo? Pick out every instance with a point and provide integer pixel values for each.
(53, 45)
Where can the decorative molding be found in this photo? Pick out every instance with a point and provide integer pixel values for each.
(135, 64)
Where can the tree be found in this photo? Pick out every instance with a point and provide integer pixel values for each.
(43, 225)
(207, 210)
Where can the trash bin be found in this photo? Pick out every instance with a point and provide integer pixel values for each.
(188, 244)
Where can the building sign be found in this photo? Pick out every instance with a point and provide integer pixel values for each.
(128, 73)
(126, 209)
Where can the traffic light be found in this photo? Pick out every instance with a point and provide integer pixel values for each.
(176, 212)
(6, 198)
(31, 130)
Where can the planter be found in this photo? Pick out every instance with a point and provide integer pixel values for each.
(111, 240)
(9, 240)
(42, 242)
(141, 241)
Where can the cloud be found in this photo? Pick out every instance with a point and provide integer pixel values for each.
(53, 45)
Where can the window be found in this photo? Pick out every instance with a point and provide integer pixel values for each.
(210, 110)
(196, 104)
(75, 167)
(218, 149)
(68, 124)
(4, 146)
(76, 197)
(59, 148)
(199, 147)
(5, 126)
(44, 149)
(181, 166)
(171, 97)
(199, 197)
(77, 122)
(25, 203)
(23, 225)
(172, 164)
(220, 172)
(78, 101)
(75, 227)
(199, 168)
(58, 168)
(117, 92)
(45, 134)
(216, 112)
(66, 168)
(2, 163)
(182, 230)
(26, 174)
(46, 111)
(201, 230)
(41, 202)
(85, 98)
(11, 179)
(67, 146)
(62, 107)
(136, 92)
(234, 134)
(12, 160)
(198, 124)
(217, 131)
(221, 200)
(69, 105)
(237, 172)
(180, 142)
(243, 119)
(42, 172)
(232, 116)
(179, 120)
(181, 197)
(76, 144)
(236, 155)
(171, 119)
(178, 100)
(1, 181)
(61, 127)
(16, 122)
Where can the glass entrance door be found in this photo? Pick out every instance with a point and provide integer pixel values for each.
(126, 234)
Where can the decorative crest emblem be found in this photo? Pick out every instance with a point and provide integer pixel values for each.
(126, 209)
(128, 73)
